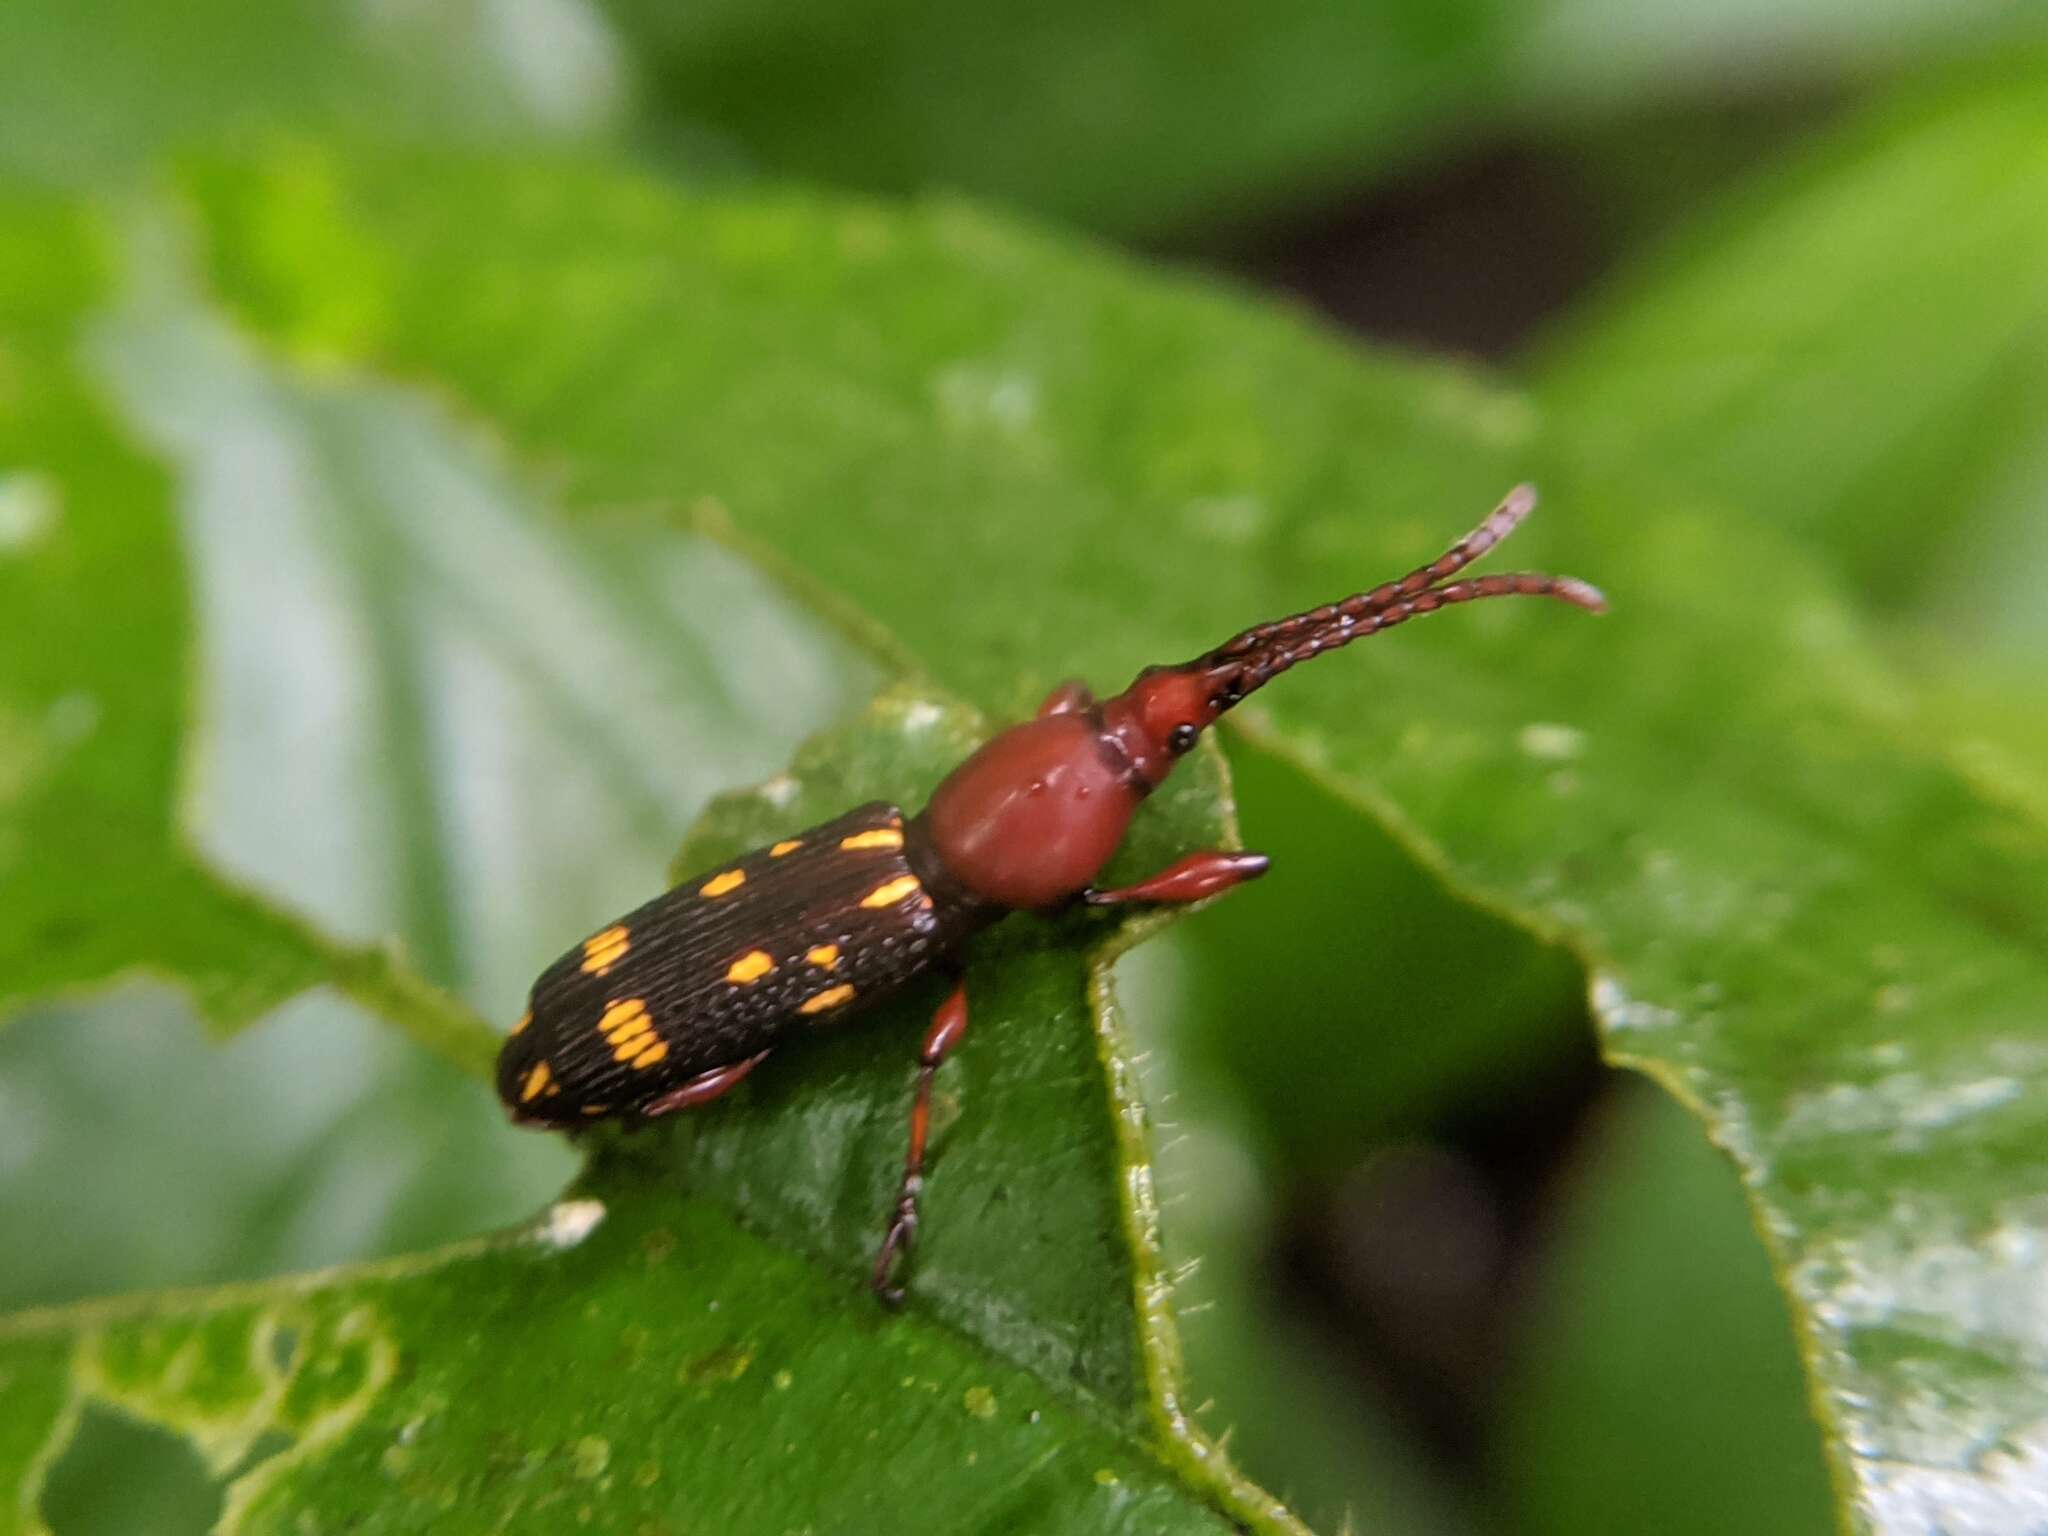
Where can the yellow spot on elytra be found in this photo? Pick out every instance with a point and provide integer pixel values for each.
(831, 997)
(823, 956)
(787, 845)
(596, 1109)
(890, 891)
(718, 885)
(525, 1019)
(602, 951)
(885, 837)
(650, 1056)
(630, 1042)
(623, 1017)
(536, 1080)
(751, 966)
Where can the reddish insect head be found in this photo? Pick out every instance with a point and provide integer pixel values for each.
(1031, 818)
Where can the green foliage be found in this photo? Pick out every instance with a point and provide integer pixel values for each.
(1168, 117)
(1764, 360)
(1652, 1290)
(582, 497)
(1853, 347)
(98, 97)
(168, 1156)
(551, 1370)
(949, 364)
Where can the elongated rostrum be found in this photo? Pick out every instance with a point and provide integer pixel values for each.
(676, 1002)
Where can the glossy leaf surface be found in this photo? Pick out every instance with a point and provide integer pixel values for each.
(437, 683)
(1810, 928)
(1799, 916)
(1853, 348)
(462, 1387)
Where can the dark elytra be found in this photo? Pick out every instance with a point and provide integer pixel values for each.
(675, 1003)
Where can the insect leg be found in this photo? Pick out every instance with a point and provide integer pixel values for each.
(702, 1088)
(1188, 879)
(1070, 696)
(948, 1025)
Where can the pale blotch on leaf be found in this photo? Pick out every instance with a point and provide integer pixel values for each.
(569, 1222)
(1550, 743)
(970, 396)
(1905, 1109)
(2001, 1490)
(1227, 519)
(779, 791)
(1618, 1011)
(31, 748)
(29, 507)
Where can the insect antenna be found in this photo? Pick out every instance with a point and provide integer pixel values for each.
(1253, 658)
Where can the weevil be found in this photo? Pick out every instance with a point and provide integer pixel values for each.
(676, 1002)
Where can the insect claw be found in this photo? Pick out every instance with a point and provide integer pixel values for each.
(896, 1245)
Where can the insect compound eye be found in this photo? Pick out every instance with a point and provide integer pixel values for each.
(1181, 737)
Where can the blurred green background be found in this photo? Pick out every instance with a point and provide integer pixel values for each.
(1461, 1277)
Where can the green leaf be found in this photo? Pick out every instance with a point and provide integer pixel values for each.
(1280, 1389)
(1357, 902)
(1853, 345)
(505, 749)
(585, 647)
(1028, 1248)
(97, 95)
(1854, 348)
(1291, 1041)
(1657, 1283)
(1176, 119)
(1130, 118)
(1803, 921)
(1587, 57)
(94, 875)
(167, 1157)
(471, 797)
(637, 1354)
